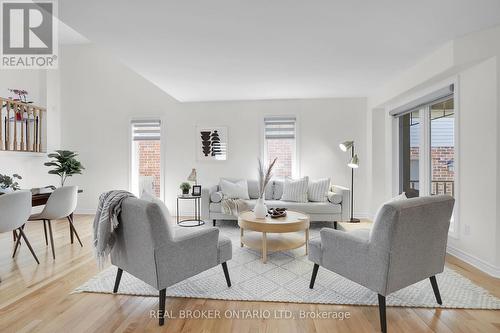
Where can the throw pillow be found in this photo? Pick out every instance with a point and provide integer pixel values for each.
(295, 190)
(334, 197)
(216, 196)
(278, 189)
(318, 190)
(234, 189)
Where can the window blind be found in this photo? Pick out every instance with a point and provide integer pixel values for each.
(432, 98)
(146, 130)
(279, 127)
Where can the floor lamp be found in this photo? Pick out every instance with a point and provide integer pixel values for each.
(353, 164)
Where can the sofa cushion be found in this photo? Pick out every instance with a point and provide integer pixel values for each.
(305, 207)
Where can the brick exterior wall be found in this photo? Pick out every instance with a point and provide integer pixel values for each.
(441, 173)
(150, 162)
(283, 150)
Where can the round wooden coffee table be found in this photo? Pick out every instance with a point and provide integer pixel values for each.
(284, 233)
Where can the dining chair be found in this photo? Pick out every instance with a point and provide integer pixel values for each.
(15, 209)
(61, 204)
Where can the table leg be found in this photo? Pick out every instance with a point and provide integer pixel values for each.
(241, 237)
(177, 211)
(307, 241)
(264, 247)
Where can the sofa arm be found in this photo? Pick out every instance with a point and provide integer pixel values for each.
(206, 192)
(346, 200)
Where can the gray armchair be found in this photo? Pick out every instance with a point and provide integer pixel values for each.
(147, 247)
(407, 244)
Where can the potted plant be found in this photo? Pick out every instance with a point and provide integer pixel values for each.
(9, 184)
(185, 187)
(65, 163)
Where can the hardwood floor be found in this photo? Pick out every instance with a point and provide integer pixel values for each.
(37, 298)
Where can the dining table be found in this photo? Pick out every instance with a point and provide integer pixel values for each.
(41, 199)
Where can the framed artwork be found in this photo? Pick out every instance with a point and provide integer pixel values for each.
(196, 190)
(211, 142)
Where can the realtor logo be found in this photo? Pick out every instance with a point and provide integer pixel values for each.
(29, 38)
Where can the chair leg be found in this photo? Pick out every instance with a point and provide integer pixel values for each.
(21, 233)
(117, 280)
(226, 274)
(381, 310)
(436, 290)
(313, 276)
(72, 226)
(16, 245)
(51, 239)
(161, 312)
(214, 220)
(70, 231)
(45, 232)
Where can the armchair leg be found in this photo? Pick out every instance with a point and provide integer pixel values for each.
(436, 289)
(313, 276)
(226, 274)
(381, 310)
(161, 311)
(117, 280)
(214, 220)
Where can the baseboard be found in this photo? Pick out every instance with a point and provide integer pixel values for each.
(474, 261)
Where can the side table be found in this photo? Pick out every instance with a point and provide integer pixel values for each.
(196, 221)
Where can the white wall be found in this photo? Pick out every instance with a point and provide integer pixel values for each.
(473, 62)
(100, 96)
(42, 87)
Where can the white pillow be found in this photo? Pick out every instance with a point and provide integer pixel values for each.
(318, 190)
(334, 197)
(234, 189)
(295, 190)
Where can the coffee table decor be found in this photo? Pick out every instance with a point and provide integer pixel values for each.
(279, 234)
(277, 212)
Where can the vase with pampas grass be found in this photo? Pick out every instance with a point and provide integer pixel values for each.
(265, 175)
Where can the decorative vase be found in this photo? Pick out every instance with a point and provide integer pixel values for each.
(260, 209)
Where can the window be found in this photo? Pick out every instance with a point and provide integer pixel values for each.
(146, 157)
(280, 142)
(427, 152)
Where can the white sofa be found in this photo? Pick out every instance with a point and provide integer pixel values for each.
(333, 210)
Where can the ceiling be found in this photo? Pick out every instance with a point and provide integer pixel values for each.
(261, 49)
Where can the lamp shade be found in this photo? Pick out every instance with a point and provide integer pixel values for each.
(192, 176)
(346, 145)
(354, 163)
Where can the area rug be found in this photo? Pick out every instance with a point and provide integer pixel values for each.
(285, 278)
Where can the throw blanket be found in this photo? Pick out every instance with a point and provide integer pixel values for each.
(233, 206)
(105, 222)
